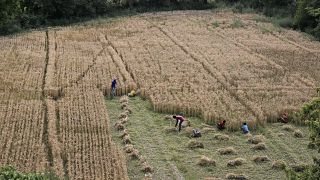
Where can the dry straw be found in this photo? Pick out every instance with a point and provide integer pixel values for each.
(123, 115)
(221, 137)
(126, 139)
(227, 151)
(188, 131)
(279, 165)
(119, 126)
(207, 130)
(134, 154)
(236, 176)
(128, 110)
(167, 117)
(123, 120)
(256, 139)
(169, 130)
(205, 161)
(128, 148)
(297, 134)
(124, 99)
(288, 128)
(125, 132)
(195, 144)
(236, 162)
(124, 105)
(142, 159)
(259, 146)
(260, 159)
(146, 168)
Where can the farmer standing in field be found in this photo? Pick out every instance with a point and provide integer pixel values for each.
(179, 120)
(113, 87)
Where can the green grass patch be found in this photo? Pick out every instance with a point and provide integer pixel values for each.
(237, 23)
(266, 29)
(9, 172)
(215, 24)
(260, 18)
(169, 155)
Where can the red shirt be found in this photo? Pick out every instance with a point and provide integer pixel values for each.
(180, 118)
(221, 123)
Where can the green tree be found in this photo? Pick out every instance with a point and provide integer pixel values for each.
(9, 11)
(311, 114)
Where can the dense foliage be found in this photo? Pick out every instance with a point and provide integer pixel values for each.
(8, 172)
(16, 14)
(311, 113)
(307, 17)
(300, 14)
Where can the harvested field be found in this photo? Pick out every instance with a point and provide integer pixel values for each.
(53, 84)
(161, 150)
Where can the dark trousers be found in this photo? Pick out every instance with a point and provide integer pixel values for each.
(180, 123)
(220, 127)
(113, 92)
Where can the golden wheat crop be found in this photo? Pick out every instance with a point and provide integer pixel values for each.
(53, 83)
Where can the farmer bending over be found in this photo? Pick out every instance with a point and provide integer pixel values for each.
(245, 128)
(179, 120)
(113, 87)
(221, 125)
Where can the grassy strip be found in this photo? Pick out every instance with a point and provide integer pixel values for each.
(168, 152)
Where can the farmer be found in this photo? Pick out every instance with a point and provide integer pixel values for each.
(113, 87)
(221, 125)
(132, 93)
(245, 128)
(284, 118)
(179, 120)
(196, 133)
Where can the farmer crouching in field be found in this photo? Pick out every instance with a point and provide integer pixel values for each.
(245, 128)
(179, 119)
(284, 118)
(221, 125)
(113, 87)
(133, 93)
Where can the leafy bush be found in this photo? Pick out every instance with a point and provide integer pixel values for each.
(302, 19)
(237, 23)
(286, 22)
(9, 172)
(310, 113)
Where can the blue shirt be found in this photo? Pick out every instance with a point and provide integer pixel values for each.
(245, 128)
(113, 84)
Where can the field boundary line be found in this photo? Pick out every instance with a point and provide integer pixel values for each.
(255, 24)
(45, 135)
(249, 50)
(274, 88)
(296, 44)
(81, 75)
(53, 138)
(255, 110)
(244, 47)
(122, 65)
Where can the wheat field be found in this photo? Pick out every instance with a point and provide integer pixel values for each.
(211, 65)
